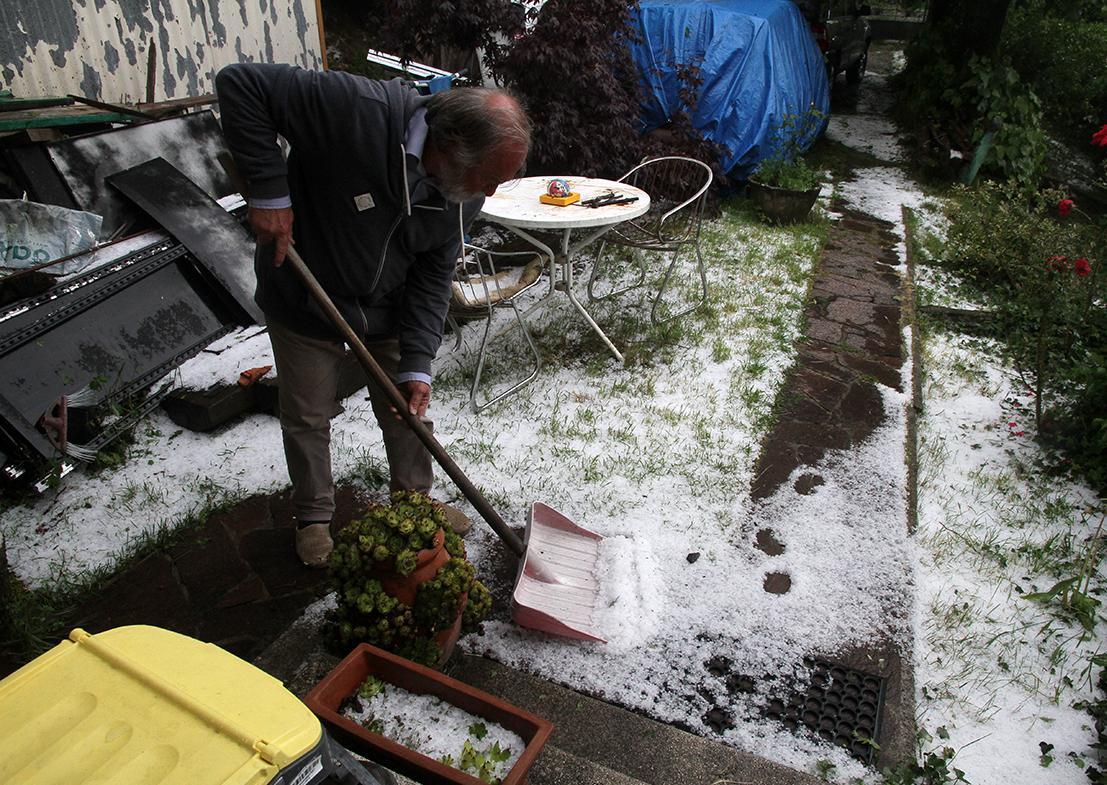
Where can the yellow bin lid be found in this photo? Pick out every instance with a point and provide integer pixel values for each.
(145, 705)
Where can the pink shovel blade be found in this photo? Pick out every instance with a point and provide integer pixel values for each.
(557, 589)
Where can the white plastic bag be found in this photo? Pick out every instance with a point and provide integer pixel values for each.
(32, 233)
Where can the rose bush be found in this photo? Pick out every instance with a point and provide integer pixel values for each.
(1034, 256)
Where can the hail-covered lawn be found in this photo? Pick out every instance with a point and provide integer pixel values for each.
(999, 671)
(589, 435)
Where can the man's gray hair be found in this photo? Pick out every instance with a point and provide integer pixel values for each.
(475, 121)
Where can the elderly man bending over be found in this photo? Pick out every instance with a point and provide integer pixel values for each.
(376, 177)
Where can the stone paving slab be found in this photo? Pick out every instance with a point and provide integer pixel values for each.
(235, 581)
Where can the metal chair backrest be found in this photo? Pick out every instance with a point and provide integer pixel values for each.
(678, 192)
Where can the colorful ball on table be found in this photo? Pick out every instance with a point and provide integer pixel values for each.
(557, 187)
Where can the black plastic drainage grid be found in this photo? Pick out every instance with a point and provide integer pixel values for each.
(841, 705)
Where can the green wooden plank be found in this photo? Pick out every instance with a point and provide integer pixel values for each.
(19, 121)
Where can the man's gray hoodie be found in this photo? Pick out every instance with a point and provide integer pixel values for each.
(388, 270)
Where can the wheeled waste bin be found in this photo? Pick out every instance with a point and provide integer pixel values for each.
(141, 705)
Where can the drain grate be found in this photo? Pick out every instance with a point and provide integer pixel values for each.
(842, 705)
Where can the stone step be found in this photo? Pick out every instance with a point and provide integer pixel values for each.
(613, 738)
(555, 766)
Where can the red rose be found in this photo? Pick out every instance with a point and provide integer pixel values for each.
(1064, 207)
(1057, 263)
(1081, 267)
(1099, 138)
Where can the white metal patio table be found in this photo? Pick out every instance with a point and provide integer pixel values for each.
(516, 207)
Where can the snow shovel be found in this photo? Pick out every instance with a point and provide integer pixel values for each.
(556, 587)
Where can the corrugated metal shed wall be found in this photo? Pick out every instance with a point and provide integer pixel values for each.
(99, 48)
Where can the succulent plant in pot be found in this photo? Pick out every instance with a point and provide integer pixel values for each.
(784, 186)
(403, 582)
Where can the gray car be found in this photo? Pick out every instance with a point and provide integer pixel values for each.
(842, 33)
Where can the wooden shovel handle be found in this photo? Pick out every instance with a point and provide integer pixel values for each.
(377, 374)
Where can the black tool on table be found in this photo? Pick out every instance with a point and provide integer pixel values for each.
(608, 199)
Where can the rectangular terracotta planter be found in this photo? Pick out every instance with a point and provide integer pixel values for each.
(327, 696)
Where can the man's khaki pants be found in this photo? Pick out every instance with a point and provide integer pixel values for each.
(307, 376)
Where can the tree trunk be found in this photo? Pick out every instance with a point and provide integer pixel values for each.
(969, 28)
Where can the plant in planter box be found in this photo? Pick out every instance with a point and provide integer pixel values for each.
(403, 582)
(436, 728)
(784, 185)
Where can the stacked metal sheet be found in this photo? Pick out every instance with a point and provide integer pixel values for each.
(144, 305)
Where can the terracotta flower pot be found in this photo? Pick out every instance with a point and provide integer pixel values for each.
(447, 638)
(405, 587)
(781, 205)
(429, 562)
(325, 699)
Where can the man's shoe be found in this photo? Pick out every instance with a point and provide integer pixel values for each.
(459, 521)
(314, 544)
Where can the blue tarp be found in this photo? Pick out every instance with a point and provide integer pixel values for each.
(758, 61)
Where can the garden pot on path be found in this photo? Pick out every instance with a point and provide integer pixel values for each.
(781, 205)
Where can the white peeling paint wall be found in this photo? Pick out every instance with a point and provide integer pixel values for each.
(99, 48)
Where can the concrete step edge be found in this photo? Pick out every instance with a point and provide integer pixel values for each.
(556, 766)
(635, 746)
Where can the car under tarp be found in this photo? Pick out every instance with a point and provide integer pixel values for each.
(758, 63)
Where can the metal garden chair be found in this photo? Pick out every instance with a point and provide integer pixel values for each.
(678, 191)
(482, 284)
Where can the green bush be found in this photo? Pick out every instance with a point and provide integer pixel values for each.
(1063, 59)
(955, 88)
(1080, 425)
(921, 87)
(1041, 275)
(1007, 107)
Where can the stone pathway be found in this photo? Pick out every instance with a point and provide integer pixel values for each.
(235, 581)
(830, 402)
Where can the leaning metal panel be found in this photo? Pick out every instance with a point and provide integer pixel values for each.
(192, 142)
(214, 237)
(125, 327)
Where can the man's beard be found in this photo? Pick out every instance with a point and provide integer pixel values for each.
(450, 185)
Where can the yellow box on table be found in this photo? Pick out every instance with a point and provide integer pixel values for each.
(560, 201)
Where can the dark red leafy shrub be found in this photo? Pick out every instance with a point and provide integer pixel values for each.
(576, 75)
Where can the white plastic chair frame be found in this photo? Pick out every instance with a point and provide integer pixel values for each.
(493, 292)
(673, 222)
